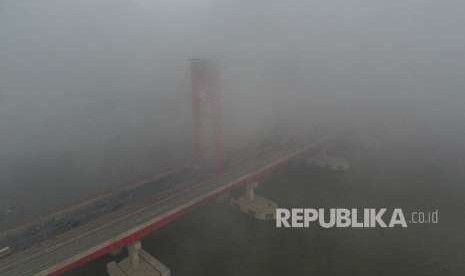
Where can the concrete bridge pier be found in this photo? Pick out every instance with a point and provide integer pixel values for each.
(255, 205)
(138, 263)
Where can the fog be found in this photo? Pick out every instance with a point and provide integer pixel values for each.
(94, 94)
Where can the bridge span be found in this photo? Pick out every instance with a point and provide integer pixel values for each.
(152, 205)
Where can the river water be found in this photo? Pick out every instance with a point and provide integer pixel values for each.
(218, 239)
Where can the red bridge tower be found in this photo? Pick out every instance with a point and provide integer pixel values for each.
(207, 109)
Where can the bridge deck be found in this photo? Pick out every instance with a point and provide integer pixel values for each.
(154, 207)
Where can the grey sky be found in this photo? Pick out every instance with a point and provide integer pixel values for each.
(92, 81)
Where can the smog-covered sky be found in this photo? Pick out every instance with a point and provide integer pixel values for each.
(97, 92)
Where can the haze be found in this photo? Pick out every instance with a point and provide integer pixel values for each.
(94, 94)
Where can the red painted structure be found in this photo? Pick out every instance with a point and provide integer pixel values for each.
(207, 111)
(255, 176)
(207, 108)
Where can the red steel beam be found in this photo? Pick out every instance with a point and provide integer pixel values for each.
(140, 233)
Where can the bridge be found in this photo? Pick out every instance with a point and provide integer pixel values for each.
(97, 227)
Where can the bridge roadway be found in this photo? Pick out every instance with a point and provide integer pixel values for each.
(153, 208)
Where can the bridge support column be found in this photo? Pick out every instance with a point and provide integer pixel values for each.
(138, 263)
(255, 205)
(116, 252)
(331, 162)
